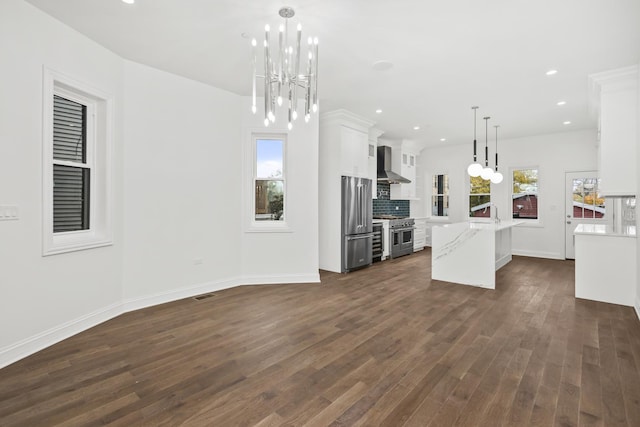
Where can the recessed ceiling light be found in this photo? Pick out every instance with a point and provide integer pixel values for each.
(566, 122)
(378, 111)
(416, 128)
(551, 72)
(382, 65)
(443, 139)
(128, 1)
(561, 103)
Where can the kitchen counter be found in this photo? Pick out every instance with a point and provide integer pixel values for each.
(605, 230)
(605, 263)
(470, 253)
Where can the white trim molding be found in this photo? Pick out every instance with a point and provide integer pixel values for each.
(40, 341)
(100, 232)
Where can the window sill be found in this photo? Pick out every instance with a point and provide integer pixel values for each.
(529, 223)
(75, 242)
(268, 227)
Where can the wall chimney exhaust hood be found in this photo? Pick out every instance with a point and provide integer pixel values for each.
(385, 174)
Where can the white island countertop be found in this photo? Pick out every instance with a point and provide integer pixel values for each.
(470, 252)
(605, 230)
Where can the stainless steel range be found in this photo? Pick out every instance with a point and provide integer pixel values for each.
(401, 236)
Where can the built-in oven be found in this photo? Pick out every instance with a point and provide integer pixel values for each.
(401, 237)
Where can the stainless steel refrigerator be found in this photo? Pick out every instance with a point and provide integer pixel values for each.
(357, 223)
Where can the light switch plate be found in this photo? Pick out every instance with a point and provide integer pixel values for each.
(8, 212)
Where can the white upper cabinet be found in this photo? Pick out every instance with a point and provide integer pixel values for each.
(354, 152)
(374, 134)
(615, 98)
(404, 163)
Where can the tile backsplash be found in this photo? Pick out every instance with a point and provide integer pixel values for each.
(383, 206)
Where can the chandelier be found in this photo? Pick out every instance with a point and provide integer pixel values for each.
(282, 79)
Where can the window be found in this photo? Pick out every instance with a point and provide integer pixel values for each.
(76, 179)
(440, 195)
(525, 193)
(269, 179)
(71, 170)
(587, 201)
(479, 197)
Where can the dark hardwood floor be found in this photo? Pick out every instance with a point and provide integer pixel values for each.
(381, 346)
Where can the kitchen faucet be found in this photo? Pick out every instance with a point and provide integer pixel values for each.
(497, 218)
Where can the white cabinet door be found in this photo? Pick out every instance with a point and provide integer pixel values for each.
(617, 91)
(408, 170)
(354, 156)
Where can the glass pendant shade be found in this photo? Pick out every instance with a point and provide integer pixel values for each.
(474, 169)
(486, 173)
(496, 178)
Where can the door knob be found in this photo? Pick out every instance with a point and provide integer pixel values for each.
(568, 222)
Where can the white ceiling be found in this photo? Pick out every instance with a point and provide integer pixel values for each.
(447, 55)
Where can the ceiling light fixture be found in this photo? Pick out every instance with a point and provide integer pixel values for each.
(443, 139)
(566, 122)
(474, 168)
(487, 172)
(129, 1)
(282, 73)
(378, 111)
(551, 72)
(497, 177)
(416, 128)
(561, 103)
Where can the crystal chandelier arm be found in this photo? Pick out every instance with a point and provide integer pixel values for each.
(315, 76)
(253, 80)
(267, 83)
(307, 105)
(281, 62)
(297, 71)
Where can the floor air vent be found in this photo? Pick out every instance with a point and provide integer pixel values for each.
(203, 296)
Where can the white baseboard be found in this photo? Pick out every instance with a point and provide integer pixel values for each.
(637, 306)
(276, 279)
(537, 254)
(180, 293)
(35, 343)
(40, 341)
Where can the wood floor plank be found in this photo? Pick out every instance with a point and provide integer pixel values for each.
(382, 346)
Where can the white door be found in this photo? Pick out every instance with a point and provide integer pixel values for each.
(583, 205)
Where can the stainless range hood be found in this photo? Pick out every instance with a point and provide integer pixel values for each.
(385, 174)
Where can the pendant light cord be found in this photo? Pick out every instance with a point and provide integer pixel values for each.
(486, 141)
(496, 126)
(475, 128)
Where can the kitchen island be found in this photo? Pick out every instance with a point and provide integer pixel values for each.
(470, 253)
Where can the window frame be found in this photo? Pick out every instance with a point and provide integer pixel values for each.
(448, 196)
(99, 129)
(268, 226)
(526, 222)
(470, 194)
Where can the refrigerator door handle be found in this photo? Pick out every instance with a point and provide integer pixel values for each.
(360, 236)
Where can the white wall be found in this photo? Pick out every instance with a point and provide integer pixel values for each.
(552, 154)
(45, 299)
(182, 186)
(178, 191)
(291, 256)
(637, 302)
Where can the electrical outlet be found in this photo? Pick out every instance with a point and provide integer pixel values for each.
(8, 212)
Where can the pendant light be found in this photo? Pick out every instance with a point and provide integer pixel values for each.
(487, 172)
(497, 177)
(474, 168)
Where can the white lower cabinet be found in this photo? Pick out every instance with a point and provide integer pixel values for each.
(420, 234)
